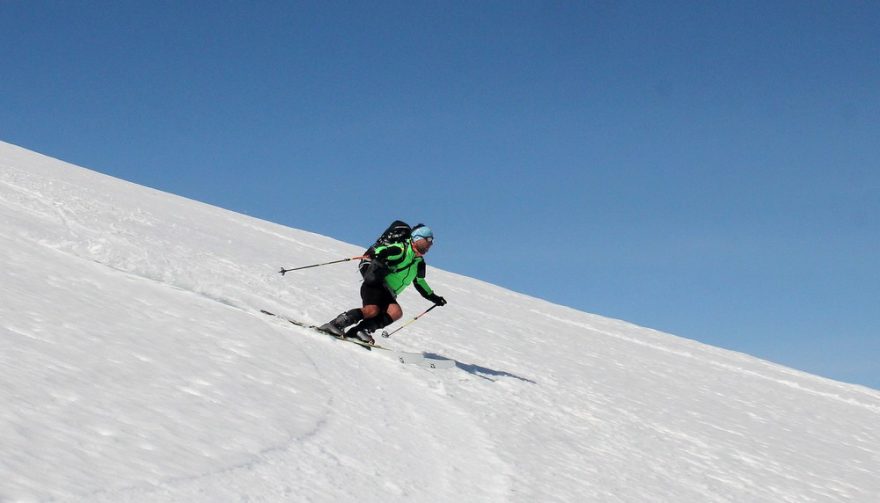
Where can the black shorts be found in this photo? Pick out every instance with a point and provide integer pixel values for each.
(377, 295)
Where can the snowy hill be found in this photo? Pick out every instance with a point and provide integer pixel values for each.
(136, 367)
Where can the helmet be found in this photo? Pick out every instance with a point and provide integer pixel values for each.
(423, 232)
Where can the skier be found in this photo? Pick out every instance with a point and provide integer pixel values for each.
(393, 268)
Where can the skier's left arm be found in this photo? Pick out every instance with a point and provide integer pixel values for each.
(425, 290)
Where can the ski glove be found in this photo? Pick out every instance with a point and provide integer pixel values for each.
(436, 299)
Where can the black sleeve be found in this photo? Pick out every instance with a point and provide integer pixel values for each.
(420, 283)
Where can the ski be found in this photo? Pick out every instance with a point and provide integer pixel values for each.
(324, 332)
(401, 356)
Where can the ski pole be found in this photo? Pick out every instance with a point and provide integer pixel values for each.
(398, 329)
(284, 271)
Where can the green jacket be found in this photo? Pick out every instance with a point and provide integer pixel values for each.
(406, 268)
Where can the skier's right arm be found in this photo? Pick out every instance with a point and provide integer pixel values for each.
(391, 254)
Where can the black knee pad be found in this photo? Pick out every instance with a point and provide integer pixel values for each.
(384, 320)
(372, 324)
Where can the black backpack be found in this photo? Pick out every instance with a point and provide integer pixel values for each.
(374, 271)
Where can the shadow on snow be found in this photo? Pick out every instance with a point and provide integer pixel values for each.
(479, 371)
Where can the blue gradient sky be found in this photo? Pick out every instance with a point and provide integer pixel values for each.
(708, 169)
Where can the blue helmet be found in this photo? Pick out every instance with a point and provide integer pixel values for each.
(423, 232)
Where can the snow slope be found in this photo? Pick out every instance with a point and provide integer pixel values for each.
(136, 367)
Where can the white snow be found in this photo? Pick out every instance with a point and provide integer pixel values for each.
(135, 366)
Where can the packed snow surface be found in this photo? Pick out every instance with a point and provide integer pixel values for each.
(136, 366)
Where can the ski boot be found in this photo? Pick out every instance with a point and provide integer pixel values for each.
(361, 334)
(337, 326)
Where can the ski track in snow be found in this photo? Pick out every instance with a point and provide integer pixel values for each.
(138, 368)
(273, 462)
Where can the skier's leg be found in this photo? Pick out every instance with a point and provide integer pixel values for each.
(377, 300)
(395, 312)
(370, 311)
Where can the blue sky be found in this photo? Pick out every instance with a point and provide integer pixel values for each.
(708, 169)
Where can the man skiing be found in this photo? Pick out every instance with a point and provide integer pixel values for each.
(393, 268)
